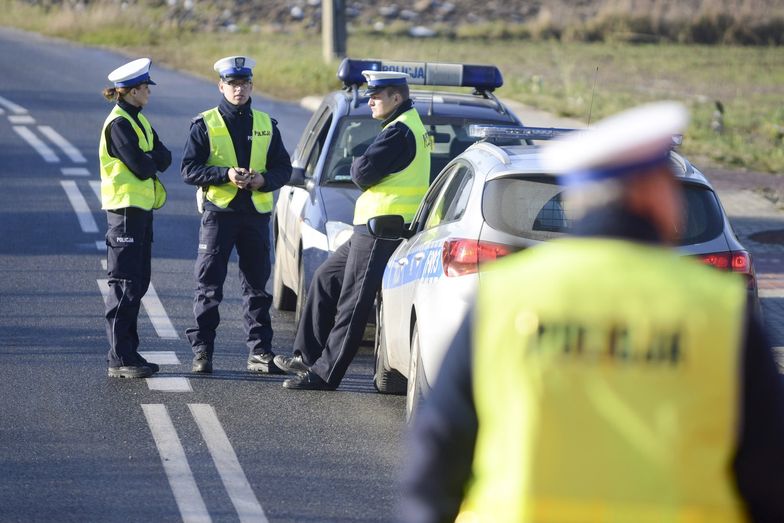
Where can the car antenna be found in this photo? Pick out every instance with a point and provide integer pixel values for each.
(593, 92)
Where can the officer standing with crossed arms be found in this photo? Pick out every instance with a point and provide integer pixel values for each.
(236, 156)
(394, 174)
(130, 155)
(606, 377)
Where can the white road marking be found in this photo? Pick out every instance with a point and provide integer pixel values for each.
(169, 384)
(104, 264)
(160, 320)
(56, 138)
(11, 106)
(100, 245)
(95, 185)
(75, 171)
(21, 119)
(155, 311)
(229, 468)
(161, 357)
(41, 148)
(771, 293)
(80, 207)
(175, 464)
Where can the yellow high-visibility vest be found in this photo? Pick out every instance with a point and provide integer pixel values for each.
(120, 188)
(400, 192)
(222, 155)
(606, 384)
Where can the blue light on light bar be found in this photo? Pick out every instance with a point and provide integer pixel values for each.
(484, 77)
(515, 132)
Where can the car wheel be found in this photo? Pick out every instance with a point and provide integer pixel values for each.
(301, 293)
(416, 378)
(386, 380)
(283, 298)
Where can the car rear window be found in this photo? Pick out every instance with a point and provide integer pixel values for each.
(532, 207)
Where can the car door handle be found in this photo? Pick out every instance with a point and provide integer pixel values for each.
(418, 256)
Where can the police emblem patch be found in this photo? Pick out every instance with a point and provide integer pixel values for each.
(239, 62)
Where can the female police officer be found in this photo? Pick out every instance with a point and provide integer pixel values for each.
(130, 155)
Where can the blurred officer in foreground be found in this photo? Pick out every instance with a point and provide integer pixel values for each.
(607, 377)
(130, 156)
(394, 174)
(235, 155)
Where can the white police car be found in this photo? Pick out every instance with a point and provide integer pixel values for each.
(314, 212)
(491, 201)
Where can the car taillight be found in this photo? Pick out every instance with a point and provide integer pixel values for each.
(461, 256)
(735, 261)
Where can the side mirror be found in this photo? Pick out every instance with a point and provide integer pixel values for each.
(297, 178)
(388, 227)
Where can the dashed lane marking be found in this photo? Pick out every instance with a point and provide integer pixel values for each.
(69, 150)
(75, 171)
(169, 384)
(21, 119)
(11, 106)
(100, 245)
(95, 185)
(36, 143)
(161, 357)
(245, 503)
(80, 207)
(175, 464)
(155, 311)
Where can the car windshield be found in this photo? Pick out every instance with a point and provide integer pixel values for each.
(532, 207)
(355, 134)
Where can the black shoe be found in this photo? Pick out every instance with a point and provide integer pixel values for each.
(307, 381)
(202, 363)
(264, 363)
(130, 371)
(291, 364)
(154, 366)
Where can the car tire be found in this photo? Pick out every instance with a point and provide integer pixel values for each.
(416, 378)
(283, 298)
(302, 294)
(385, 379)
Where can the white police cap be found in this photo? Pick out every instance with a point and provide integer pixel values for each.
(617, 146)
(132, 74)
(235, 67)
(378, 80)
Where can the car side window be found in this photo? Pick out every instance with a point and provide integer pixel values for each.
(452, 200)
(431, 197)
(317, 146)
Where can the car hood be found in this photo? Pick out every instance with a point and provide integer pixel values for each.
(339, 202)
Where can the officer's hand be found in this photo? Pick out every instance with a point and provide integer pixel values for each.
(256, 181)
(238, 176)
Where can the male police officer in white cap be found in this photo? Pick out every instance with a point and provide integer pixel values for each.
(394, 173)
(605, 377)
(130, 156)
(236, 156)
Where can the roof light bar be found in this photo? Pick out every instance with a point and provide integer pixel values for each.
(482, 77)
(488, 132)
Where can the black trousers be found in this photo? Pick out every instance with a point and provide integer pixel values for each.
(129, 257)
(220, 233)
(339, 301)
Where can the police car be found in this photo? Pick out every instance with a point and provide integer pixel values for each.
(489, 202)
(314, 212)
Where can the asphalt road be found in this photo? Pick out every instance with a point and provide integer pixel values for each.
(77, 446)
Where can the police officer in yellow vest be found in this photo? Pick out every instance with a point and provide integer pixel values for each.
(394, 173)
(130, 156)
(605, 378)
(236, 157)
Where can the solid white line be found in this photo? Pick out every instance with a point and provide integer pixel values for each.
(80, 207)
(11, 106)
(169, 384)
(175, 464)
(229, 468)
(56, 138)
(41, 148)
(160, 320)
(75, 171)
(161, 357)
(21, 119)
(95, 185)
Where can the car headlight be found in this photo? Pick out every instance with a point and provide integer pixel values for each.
(338, 233)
